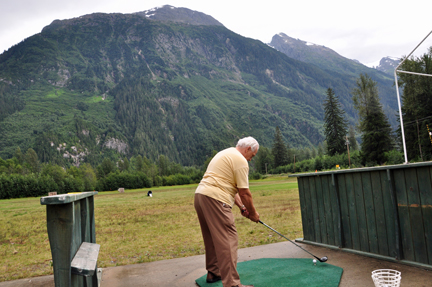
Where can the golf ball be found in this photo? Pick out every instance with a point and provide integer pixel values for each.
(314, 261)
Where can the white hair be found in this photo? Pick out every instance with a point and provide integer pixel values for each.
(248, 142)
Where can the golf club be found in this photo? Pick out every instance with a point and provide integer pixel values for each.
(324, 259)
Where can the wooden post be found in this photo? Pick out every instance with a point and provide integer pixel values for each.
(349, 159)
(70, 222)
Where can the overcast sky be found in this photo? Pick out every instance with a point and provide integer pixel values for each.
(366, 30)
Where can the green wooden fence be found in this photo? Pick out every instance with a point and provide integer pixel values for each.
(384, 212)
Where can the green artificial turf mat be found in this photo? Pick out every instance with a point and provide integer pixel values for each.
(277, 272)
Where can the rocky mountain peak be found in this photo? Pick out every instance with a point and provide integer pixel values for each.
(179, 15)
(388, 65)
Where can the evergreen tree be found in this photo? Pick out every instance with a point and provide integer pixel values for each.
(89, 176)
(320, 150)
(123, 164)
(279, 151)
(32, 161)
(290, 154)
(314, 152)
(163, 165)
(139, 163)
(351, 138)
(263, 160)
(373, 123)
(307, 153)
(417, 106)
(106, 167)
(19, 156)
(335, 125)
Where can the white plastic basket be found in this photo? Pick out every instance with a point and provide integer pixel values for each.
(386, 278)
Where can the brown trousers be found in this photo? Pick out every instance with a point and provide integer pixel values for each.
(220, 238)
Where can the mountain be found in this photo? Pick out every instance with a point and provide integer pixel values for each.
(168, 81)
(318, 55)
(179, 15)
(346, 70)
(388, 65)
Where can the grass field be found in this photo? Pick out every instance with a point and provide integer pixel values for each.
(134, 228)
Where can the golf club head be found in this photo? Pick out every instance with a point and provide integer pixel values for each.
(324, 259)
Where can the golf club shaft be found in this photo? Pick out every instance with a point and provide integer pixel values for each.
(289, 240)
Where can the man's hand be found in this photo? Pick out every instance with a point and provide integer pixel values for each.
(254, 217)
(245, 198)
(245, 212)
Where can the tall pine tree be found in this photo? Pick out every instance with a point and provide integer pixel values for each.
(335, 125)
(279, 150)
(373, 123)
(417, 106)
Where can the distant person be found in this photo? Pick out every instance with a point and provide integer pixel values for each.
(225, 183)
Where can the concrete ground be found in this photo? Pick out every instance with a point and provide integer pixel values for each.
(182, 272)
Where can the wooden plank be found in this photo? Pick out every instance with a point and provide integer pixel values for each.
(366, 169)
(355, 233)
(305, 205)
(92, 220)
(361, 212)
(370, 212)
(76, 228)
(84, 261)
(326, 186)
(404, 216)
(321, 210)
(378, 201)
(391, 213)
(65, 198)
(76, 281)
(345, 214)
(336, 213)
(85, 220)
(315, 213)
(60, 226)
(309, 212)
(425, 185)
(416, 217)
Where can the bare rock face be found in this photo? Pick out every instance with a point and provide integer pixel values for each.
(116, 144)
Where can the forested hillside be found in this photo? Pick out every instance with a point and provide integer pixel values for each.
(109, 85)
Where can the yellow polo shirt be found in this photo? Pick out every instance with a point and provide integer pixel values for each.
(226, 172)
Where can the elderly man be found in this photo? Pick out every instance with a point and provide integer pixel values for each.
(224, 184)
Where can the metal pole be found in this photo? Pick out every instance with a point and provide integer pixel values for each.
(400, 116)
(398, 97)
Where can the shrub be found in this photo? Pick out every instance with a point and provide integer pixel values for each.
(256, 175)
(19, 186)
(318, 164)
(124, 179)
(394, 157)
(72, 185)
(176, 179)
